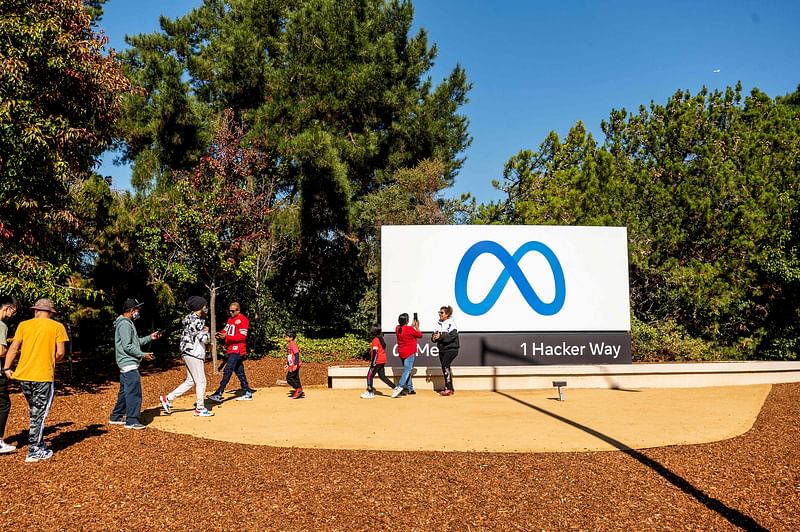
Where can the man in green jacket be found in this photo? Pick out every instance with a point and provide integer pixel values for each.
(128, 349)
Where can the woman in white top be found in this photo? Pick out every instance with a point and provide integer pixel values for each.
(446, 337)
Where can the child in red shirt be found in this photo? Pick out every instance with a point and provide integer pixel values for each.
(293, 365)
(377, 361)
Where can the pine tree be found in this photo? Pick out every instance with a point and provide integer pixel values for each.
(333, 89)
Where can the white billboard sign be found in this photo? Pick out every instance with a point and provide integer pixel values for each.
(507, 278)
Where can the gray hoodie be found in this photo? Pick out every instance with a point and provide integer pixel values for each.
(128, 346)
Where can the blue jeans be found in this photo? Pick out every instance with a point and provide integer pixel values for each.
(405, 378)
(129, 398)
(234, 364)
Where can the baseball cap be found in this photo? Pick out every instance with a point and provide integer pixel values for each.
(131, 304)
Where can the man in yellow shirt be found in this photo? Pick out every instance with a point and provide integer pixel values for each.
(42, 340)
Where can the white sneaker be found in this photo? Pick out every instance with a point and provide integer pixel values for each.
(6, 448)
(396, 392)
(37, 455)
(202, 412)
(165, 404)
(248, 396)
(367, 395)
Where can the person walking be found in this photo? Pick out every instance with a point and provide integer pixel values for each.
(407, 349)
(40, 344)
(128, 350)
(446, 337)
(8, 307)
(377, 363)
(235, 336)
(293, 365)
(193, 349)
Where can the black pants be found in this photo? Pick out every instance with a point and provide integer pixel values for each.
(293, 378)
(5, 404)
(234, 364)
(380, 370)
(446, 359)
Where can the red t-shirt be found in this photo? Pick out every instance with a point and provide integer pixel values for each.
(376, 344)
(292, 354)
(407, 340)
(235, 332)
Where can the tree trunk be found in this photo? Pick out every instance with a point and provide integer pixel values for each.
(212, 309)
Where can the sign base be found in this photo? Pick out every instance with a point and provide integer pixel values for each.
(519, 349)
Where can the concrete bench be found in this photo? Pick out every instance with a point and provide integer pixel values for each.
(633, 376)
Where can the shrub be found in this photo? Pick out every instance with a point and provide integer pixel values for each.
(666, 341)
(347, 347)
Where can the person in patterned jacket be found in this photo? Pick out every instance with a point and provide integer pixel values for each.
(193, 350)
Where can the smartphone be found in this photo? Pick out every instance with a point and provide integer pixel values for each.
(415, 317)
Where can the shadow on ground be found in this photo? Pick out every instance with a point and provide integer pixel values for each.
(732, 515)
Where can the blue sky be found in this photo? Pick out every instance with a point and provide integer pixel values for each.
(540, 66)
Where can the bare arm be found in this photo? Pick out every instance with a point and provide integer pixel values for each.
(11, 354)
(59, 351)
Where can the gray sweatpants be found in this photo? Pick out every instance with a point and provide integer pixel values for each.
(40, 398)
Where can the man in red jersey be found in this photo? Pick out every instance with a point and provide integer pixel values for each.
(235, 336)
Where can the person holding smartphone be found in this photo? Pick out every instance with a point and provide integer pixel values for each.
(407, 349)
(129, 355)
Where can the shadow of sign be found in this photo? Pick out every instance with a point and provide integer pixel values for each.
(733, 516)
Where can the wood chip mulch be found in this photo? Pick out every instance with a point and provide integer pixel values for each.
(104, 477)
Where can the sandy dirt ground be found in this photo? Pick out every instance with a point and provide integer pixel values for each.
(512, 421)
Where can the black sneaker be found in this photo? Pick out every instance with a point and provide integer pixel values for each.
(412, 392)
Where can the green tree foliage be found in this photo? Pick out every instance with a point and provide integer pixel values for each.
(333, 90)
(708, 188)
(210, 226)
(59, 97)
(95, 9)
(414, 197)
(792, 99)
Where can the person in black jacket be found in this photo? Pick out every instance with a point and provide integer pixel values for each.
(446, 337)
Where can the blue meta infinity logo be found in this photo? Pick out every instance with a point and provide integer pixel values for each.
(513, 271)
